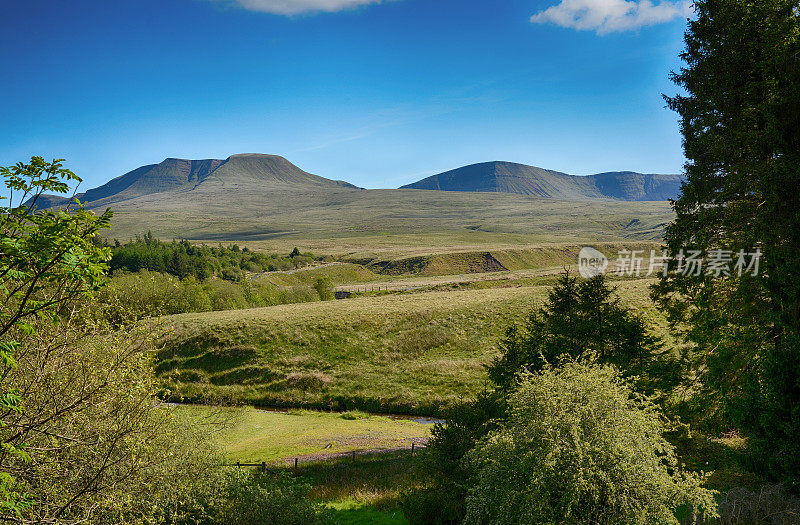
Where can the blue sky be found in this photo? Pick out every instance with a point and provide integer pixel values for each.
(376, 93)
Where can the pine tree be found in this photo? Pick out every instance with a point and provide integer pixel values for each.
(579, 319)
(740, 119)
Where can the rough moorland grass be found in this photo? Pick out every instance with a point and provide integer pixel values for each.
(252, 436)
(287, 216)
(405, 353)
(337, 273)
(492, 259)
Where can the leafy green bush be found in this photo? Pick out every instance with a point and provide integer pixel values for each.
(324, 287)
(434, 505)
(130, 296)
(250, 498)
(580, 446)
(298, 294)
(442, 501)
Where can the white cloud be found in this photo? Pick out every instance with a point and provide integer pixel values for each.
(608, 16)
(298, 7)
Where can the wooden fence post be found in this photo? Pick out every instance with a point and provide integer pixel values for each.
(412, 450)
(354, 457)
(295, 463)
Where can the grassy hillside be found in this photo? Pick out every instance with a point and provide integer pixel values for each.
(337, 272)
(497, 259)
(356, 221)
(267, 202)
(395, 353)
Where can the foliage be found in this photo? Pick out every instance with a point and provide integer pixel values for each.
(579, 445)
(435, 504)
(47, 260)
(580, 318)
(442, 501)
(766, 506)
(183, 259)
(83, 438)
(740, 118)
(150, 294)
(260, 498)
(324, 287)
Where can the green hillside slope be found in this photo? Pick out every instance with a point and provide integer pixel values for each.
(406, 353)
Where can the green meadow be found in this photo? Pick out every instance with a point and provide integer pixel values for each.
(402, 352)
(249, 435)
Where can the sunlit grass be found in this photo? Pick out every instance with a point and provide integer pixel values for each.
(408, 353)
(253, 436)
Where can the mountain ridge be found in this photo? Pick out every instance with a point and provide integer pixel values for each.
(249, 176)
(511, 177)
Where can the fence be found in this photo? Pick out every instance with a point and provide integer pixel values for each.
(352, 454)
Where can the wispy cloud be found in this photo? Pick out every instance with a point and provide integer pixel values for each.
(608, 16)
(297, 7)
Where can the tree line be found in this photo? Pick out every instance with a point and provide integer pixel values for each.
(183, 259)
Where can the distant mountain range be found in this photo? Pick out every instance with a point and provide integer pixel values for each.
(253, 176)
(254, 197)
(508, 177)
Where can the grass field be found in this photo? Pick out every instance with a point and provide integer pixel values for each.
(368, 492)
(249, 435)
(401, 353)
(364, 492)
(364, 223)
(337, 272)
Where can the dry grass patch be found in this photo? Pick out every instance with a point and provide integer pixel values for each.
(307, 380)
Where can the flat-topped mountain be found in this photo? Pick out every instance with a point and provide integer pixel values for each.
(248, 170)
(509, 177)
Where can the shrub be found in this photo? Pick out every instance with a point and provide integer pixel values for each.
(151, 294)
(443, 460)
(250, 498)
(433, 505)
(324, 287)
(579, 446)
(298, 294)
(579, 318)
(773, 504)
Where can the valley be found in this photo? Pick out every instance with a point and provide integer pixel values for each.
(304, 319)
(397, 262)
